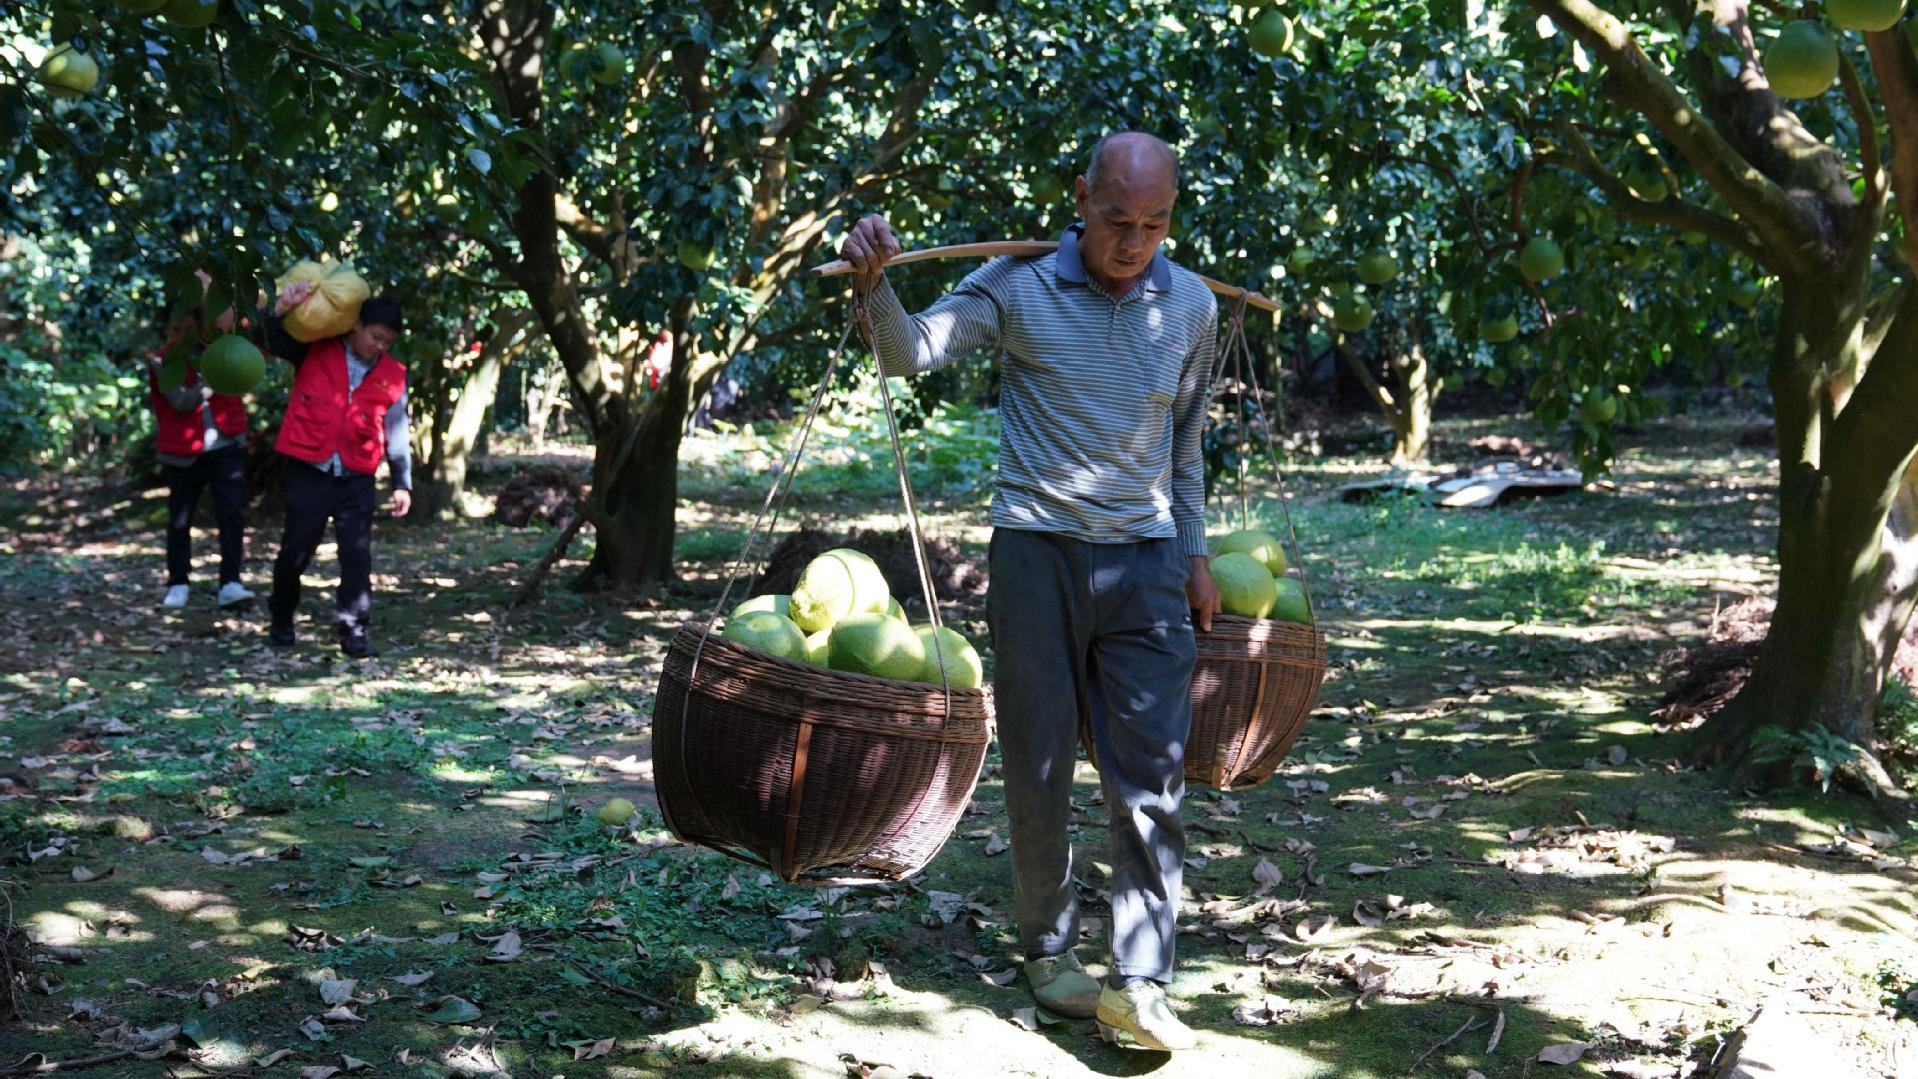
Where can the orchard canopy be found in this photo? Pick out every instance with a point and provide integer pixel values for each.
(1660, 253)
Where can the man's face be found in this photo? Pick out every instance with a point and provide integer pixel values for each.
(370, 341)
(1126, 221)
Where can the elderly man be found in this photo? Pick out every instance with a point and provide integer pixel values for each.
(1097, 559)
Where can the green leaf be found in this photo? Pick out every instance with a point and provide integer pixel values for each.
(481, 160)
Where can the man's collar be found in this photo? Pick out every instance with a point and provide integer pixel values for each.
(1071, 268)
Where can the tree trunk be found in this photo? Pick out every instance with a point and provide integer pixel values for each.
(636, 491)
(1847, 552)
(442, 481)
(1412, 419)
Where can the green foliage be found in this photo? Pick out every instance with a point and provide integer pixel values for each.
(1898, 989)
(1817, 750)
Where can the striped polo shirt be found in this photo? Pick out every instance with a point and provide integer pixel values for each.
(1102, 399)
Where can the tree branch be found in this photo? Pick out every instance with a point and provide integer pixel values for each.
(1866, 120)
(1673, 211)
(1781, 224)
(1897, 70)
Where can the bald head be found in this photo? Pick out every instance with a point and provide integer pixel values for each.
(1125, 200)
(1132, 159)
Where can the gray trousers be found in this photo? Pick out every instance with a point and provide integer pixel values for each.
(1101, 630)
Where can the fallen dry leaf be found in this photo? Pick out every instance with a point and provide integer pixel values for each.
(1564, 1053)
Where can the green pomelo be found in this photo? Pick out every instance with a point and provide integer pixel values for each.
(876, 645)
(1499, 330)
(819, 648)
(191, 14)
(1747, 293)
(963, 669)
(1048, 189)
(767, 632)
(616, 811)
(1352, 313)
(1864, 15)
(607, 65)
(1271, 33)
(695, 255)
(1540, 259)
(1646, 182)
(1600, 407)
(777, 604)
(839, 583)
(1300, 260)
(232, 365)
(1803, 62)
(1258, 543)
(1245, 585)
(1290, 604)
(1377, 266)
(894, 610)
(68, 72)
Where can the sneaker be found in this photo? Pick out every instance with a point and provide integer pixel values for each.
(356, 646)
(1062, 986)
(233, 593)
(175, 597)
(1140, 1017)
(281, 636)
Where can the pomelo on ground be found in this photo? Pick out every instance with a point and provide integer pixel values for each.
(1540, 259)
(1258, 543)
(963, 668)
(1352, 312)
(1499, 330)
(1290, 604)
(780, 605)
(767, 632)
(1245, 585)
(616, 811)
(874, 644)
(68, 72)
(836, 584)
(1802, 62)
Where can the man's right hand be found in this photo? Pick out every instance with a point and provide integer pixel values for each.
(291, 295)
(869, 247)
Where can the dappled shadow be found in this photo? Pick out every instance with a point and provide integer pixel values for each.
(1475, 823)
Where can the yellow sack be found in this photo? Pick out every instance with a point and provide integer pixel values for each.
(334, 306)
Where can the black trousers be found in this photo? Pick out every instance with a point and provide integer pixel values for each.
(313, 497)
(224, 470)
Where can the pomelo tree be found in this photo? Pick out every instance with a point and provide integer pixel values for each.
(1819, 190)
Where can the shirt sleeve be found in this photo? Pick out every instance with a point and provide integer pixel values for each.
(1188, 431)
(272, 337)
(399, 444)
(969, 318)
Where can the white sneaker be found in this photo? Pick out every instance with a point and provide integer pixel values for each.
(233, 592)
(175, 597)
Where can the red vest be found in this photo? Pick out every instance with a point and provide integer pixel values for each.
(183, 434)
(323, 417)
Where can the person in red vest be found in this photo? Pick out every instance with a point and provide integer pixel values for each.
(201, 438)
(346, 412)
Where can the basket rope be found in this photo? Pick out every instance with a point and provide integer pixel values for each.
(1237, 354)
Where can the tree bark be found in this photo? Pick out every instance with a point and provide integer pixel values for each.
(1412, 420)
(442, 480)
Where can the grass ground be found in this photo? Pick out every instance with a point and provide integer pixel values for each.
(396, 864)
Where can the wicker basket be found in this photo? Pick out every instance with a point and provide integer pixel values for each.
(1255, 683)
(821, 776)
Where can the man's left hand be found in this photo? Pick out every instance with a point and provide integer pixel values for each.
(1201, 593)
(403, 504)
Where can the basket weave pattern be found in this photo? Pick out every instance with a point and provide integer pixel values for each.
(818, 775)
(1255, 683)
